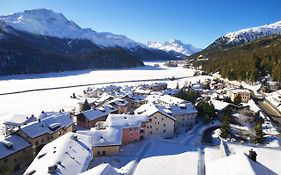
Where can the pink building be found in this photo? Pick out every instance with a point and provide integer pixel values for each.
(132, 126)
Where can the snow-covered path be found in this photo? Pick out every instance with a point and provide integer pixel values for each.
(190, 142)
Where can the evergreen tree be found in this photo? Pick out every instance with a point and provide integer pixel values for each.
(86, 106)
(188, 95)
(237, 99)
(259, 134)
(225, 127)
(206, 110)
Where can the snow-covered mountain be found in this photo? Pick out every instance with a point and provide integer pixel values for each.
(39, 41)
(250, 34)
(174, 46)
(49, 23)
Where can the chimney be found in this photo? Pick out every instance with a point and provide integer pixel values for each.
(252, 155)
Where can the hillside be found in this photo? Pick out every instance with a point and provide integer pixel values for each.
(40, 41)
(25, 53)
(248, 61)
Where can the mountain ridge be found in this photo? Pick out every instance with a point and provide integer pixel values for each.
(174, 46)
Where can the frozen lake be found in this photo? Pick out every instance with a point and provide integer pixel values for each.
(54, 100)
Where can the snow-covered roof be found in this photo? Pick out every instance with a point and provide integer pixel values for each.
(184, 108)
(44, 126)
(253, 106)
(18, 120)
(151, 108)
(102, 169)
(11, 145)
(168, 99)
(119, 102)
(124, 121)
(219, 105)
(104, 137)
(152, 98)
(70, 154)
(237, 164)
(138, 98)
(142, 91)
(96, 113)
(240, 91)
(45, 114)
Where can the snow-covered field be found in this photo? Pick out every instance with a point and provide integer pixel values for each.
(54, 100)
(170, 159)
(24, 82)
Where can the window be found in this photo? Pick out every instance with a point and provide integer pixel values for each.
(150, 132)
(162, 118)
(150, 126)
(42, 140)
(164, 130)
(155, 123)
(103, 152)
(156, 129)
(36, 143)
(98, 152)
(164, 124)
(5, 160)
(158, 123)
(155, 117)
(15, 160)
(150, 120)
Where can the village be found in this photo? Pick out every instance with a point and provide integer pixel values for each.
(117, 129)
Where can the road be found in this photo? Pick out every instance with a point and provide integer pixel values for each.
(93, 84)
(271, 113)
(193, 139)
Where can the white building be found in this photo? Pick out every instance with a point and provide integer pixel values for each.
(161, 122)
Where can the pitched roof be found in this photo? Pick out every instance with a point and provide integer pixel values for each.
(168, 99)
(102, 169)
(237, 164)
(11, 145)
(70, 153)
(96, 113)
(104, 137)
(124, 121)
(151, 108)
(46, 125)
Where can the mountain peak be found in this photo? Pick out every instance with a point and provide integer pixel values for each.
(249, 34)
(175, 46)
(49, 23)
(177, 41)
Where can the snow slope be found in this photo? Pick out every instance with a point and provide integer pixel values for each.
(49, 23)
(174, 46)
(250, 34)
(170, 159)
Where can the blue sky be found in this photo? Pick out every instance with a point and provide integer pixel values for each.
(198, 22)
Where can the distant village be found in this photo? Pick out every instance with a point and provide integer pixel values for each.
(108, 118)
